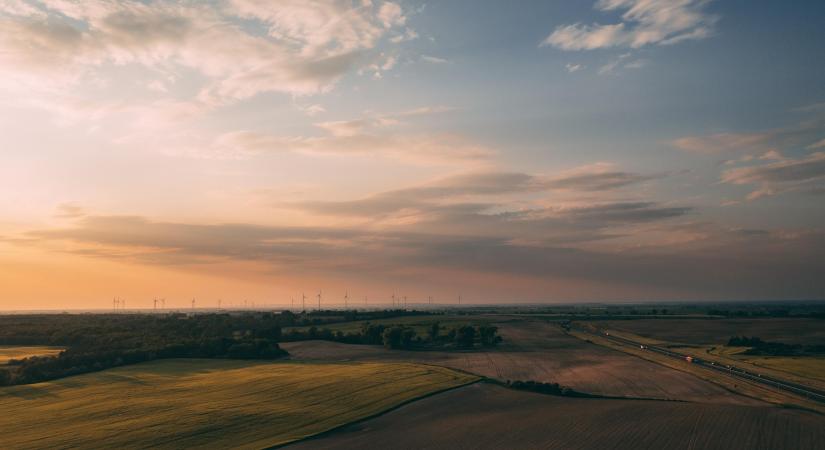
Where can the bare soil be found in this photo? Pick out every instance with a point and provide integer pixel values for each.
(534, 350)
(483, 416)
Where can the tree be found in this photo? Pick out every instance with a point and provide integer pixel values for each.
(398, 337)
(406, 337)
(465, 336)
(435, 328)
(488, 335)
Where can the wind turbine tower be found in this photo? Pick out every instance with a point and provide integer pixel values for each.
(319, 300)
(346, 300)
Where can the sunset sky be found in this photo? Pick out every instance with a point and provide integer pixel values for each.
(531, 151)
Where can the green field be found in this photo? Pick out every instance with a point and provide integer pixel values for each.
(208, 403)
(20, 352)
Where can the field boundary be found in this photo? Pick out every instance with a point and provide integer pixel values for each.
(381, 413)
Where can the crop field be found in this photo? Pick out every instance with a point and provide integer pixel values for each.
(20, 352)
(190, 403)
(534, 350)
(718, 331)
(483, 416)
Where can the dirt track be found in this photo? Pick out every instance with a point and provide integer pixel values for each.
(542, 352)
(483, 416)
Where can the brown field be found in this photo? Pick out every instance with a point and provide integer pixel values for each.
(491, 417)
(718, 331)
(540, 351)
(8, 352)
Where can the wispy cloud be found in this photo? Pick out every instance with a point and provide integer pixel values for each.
(644, 22)
(433, 59)
(573, 67)
(806, 133)
(787, 175)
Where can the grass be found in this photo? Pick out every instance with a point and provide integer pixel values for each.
(209, 403)
(20, 352)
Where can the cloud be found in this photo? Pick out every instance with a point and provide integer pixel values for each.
(485, 199)
(312, 110)
(806, 133)
(644, 22)
(308, 47)
(817, 145)
(784, 176)
(722, 142)
(729, 263)
(348, 139)
(573, 67)
(375, 135)
(433, 59)
(70, 211)
(595, 177)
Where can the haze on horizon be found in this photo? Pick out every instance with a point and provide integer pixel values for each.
(600, 150)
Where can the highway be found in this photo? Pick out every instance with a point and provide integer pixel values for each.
(730, 370)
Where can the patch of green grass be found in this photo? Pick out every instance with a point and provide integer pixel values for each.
(20, 352)
(209, 403)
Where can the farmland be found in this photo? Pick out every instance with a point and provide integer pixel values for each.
(490, 417)
(208, 403)
(19, 352)
(717, 331)
(344, 395)
(540, 351)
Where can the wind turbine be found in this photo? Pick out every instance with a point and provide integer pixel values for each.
(393, 299)
(346, 300)
(303, 302)
(193, 303)
(404, 305)
(319, 300)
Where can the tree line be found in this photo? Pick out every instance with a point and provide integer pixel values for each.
(405, 337)
(765, 348)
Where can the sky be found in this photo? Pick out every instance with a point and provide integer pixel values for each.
(506, 152)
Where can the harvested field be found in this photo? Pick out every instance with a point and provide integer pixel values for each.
(483, 416)
(718, 331)
(539, 351)
(208, 403)
(20, 352)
